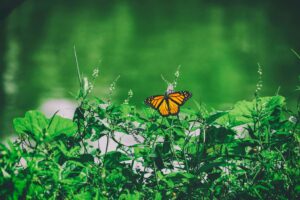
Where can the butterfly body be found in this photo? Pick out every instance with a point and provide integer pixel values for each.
(169, 103)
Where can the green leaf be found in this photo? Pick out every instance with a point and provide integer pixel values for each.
(60, 125)
(242, 110)
(83, 195)
(297, 188)
(113, 159)
(261, 187)
(219, 135)
(212, 118)
(116, 178)
(85, 158)
(135, 196)
(273, 102)
(179, 132)
(126, 110)
(20, 184)
(158, 196)
(5, 174)
(34, 123)
(166, 145)
(177, 176)
(208, 166)
(99, 131)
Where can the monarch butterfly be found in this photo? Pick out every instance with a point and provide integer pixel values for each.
(168, 104)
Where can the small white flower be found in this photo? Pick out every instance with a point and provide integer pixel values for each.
(170, 88)
(130, 93)
(95, 72)
(177, 74)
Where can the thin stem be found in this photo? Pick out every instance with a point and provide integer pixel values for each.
(156, 178)
(172, 149)
(51, 120)
(172, 143)
(107, 143)
(77, 65)
(155, 171)
(298, 56)
(202, 130)
(84, 147)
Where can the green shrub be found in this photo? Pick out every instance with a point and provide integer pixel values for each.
(249, 152)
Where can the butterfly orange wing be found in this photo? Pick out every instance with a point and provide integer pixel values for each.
(155, 101)
(171, 104)
(173, 107)
(177, 99)
(159, 103)
(163, 108)
(180, 97)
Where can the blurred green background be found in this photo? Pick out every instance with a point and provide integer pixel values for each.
(217, 43)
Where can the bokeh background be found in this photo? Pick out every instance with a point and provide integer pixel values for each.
(217, 43)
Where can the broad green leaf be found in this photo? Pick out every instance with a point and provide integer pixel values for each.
(242, 110)
(37, 125)
(212, 118)
(60, 125)
(34, 123)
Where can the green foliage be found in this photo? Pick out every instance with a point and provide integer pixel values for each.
(39, 128)
(248, 152)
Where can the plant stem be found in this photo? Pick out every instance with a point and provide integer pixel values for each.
(78, 71)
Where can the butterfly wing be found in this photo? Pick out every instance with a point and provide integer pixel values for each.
(159, 103)
(163, 108)
(169, 105)
(173, 107)
(154, 101)
(177, 99)
(180, 97)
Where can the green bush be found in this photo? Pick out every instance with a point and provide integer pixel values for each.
(249, 152)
